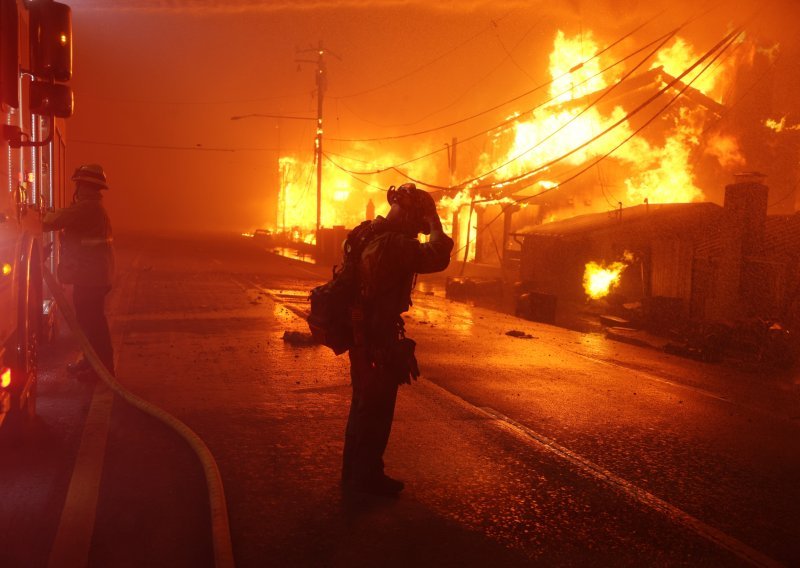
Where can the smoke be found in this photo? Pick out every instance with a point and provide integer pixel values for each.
(214, 7)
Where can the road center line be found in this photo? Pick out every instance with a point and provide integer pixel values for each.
(650, 376)
(679, 516)
(73, 540)
(635, 492)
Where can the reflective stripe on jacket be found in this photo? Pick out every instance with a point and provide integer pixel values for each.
(87, 256)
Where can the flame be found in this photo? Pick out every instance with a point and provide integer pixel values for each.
(780, 125)
(598, 280)
(456, 209)
(667, 175)
(654, 166)
(725, 148)
(344, 199)
(680, 55)
(657, 171)
(572, 78)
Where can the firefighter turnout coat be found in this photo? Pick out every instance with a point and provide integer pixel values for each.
(87, 256)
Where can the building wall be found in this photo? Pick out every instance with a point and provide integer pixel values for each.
(671, 268)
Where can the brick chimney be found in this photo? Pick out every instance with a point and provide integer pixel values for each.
(746, 210)
(742, 231)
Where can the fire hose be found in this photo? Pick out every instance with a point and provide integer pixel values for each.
(220, 528)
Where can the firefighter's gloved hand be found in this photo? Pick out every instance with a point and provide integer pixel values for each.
(429, 214)
(434, 223)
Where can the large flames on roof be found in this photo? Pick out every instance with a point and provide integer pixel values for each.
(539, 150)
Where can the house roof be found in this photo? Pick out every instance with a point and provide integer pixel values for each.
(659, 217)
(782, 235)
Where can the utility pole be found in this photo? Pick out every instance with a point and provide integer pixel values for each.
(281, 192)
(451, 162)
(322, 81)
(322, 84)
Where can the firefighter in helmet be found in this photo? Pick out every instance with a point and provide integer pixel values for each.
(87, 262)
(382, 358)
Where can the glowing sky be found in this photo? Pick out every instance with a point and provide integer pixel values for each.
(153, 76)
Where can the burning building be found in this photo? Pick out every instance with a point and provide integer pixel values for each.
(650, 131)
(681, 262)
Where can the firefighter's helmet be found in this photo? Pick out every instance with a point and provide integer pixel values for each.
(92, 174)
(417, 203)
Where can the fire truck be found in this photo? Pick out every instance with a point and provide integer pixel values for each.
(35, 62)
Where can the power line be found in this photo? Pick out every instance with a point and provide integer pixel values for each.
(462, 184)
(423, 66)
(507, 102)
(463, 93)
(726, 41)
(724, 45)
(516, 45)
(355, 177)
(575, 117)
(515, 117)
(191, 103)
(196, 148)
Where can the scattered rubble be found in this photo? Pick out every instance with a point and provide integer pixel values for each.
(299, 338)
(520, 334)
(465, 289)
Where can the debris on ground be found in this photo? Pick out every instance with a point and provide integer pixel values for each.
(298, 338)
(519, 334)
(465, 289)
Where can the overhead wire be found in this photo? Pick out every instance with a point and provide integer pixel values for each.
(190, 103)
(676, 80)
(509, 53)
(573, 118)
(452, 103)
(197, 148)
(498, 106)
(421, 67)
(463, 93)
(515, 116)
(720, 48)
(787, 195)
(351, 174)
(602, 183)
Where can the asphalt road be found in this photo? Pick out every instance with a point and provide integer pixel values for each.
(563, 449)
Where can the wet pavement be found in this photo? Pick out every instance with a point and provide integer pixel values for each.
(559, 449)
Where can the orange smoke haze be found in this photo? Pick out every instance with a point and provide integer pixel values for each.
(156, 84)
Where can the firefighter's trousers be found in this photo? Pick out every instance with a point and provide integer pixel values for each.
(370, 421)
(89, 302)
